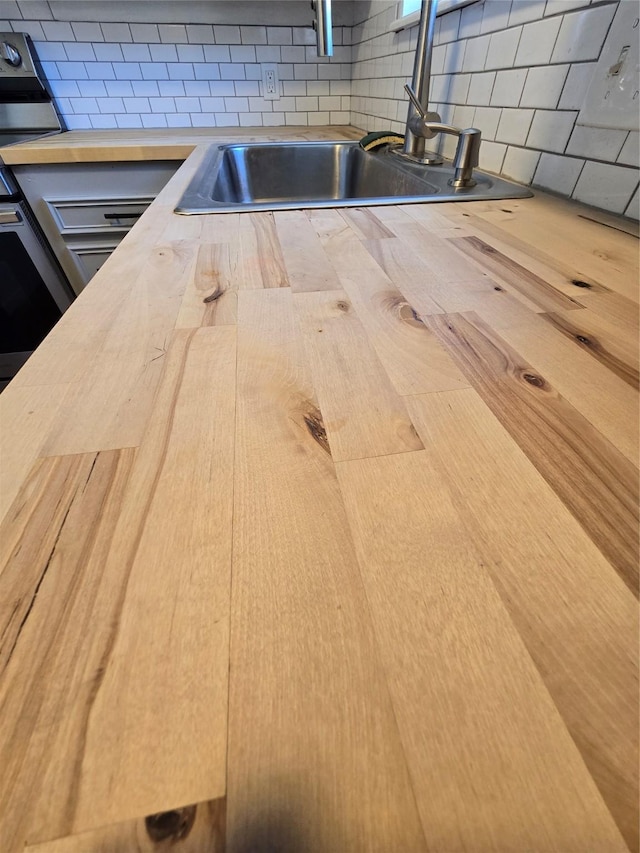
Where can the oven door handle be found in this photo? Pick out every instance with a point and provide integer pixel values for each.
(10, 217)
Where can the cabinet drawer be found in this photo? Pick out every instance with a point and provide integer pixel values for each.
(87, 258)
(72, 216)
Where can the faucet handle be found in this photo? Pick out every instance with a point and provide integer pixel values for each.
(414, 100)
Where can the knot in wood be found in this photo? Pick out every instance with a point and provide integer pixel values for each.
(532, 379)
(175, 824)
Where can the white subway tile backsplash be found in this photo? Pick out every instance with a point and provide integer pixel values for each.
(503, 48)
(92, 88)
(596, 143)
(537, 42)
(212, 105)
(128, 121)
(153, 120)
(576, 86)
(630, 154)
(203, 120)
(520, 164)
(119, 88)
(232, 71)
(103, 120)
(145, 33)
(305, 72)
(78, 122)
(514, 126)
(50, 50)
(279, 35)
(187, 105)
(226, 34)
(136, 53)
(99, 71)
(227, 120)
(607, 186)
(269, 53)
(517, 70)
(293, 54)
(633, 208)
(171, 88)
(65, 88)
(558, 173)
(72, 71)
(252, 71)
(495, 16)
(163, 52)
(508, 87)
(57, 31)
(582, 34)
(217, 53)
(253, 35)
(180, 71)
(31, 28)
(173, 33)
(136, 105)
(486, 119)
(190, 53)
(475, 54)
(550, 130)
(492, 156)
(470, 20)
(449, 26)
(306, 35)
(162, 105)
(37, 10)
(459, 88)
(200, 33)
(222, 88)
(87, 32)
(154, 71)
(197, 88)
(116, 32)
(544, 86)
(526, 10)
(481, 88)
(127, 71)
(108, 52)
(243, 53)
(179, 120)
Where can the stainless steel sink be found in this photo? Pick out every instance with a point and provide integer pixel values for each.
(284, 176)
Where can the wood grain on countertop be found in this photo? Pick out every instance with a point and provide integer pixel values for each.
(320, 534)
(93, 146)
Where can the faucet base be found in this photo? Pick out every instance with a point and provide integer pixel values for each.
(429, 158)
(461, 182)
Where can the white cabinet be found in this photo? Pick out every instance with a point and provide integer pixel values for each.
(85, 209)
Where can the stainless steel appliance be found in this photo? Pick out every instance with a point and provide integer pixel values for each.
(33, 290)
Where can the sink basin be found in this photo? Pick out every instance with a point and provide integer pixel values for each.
(281, 176)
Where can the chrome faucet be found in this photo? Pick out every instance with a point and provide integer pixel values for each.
(426, 125)
(423, 124)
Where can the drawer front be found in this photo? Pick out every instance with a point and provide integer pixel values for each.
(102, 215)
(85, 257)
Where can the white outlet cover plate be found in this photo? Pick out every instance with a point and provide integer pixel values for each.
(613, 101)
(265, 68)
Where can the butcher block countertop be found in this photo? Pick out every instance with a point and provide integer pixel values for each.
(320, 536)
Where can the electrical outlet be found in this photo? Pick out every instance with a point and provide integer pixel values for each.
(270, 82)
(613, 97)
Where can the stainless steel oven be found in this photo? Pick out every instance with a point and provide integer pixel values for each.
(33, 291)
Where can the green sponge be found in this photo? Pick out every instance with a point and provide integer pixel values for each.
(379, 138)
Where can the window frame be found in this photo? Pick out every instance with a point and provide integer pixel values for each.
(403, 22)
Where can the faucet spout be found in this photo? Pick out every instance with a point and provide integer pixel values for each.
(414, 146)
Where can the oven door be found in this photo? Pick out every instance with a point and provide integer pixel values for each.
(33, 294)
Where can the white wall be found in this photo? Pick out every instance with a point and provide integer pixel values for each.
(110, 73)
(518, 71)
